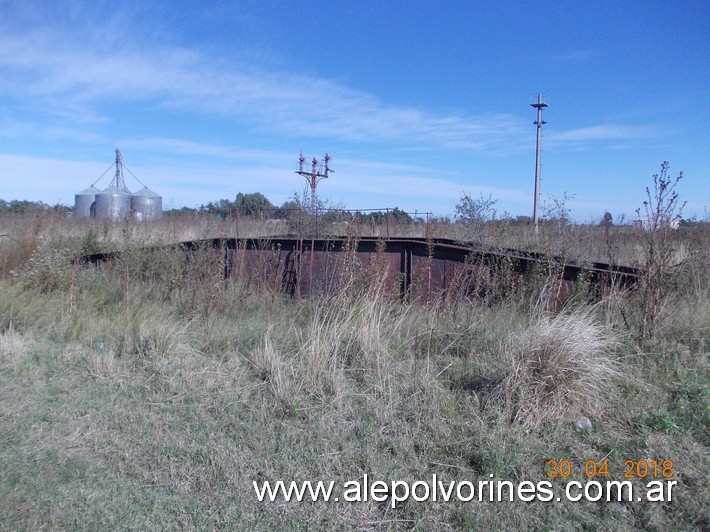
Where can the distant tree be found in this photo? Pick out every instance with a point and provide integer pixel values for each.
(22, 206)
(472, 214)
(288, 209)
(182, 211)
(472, 211)
(557, 210)
(253, 204)
(210, 208)
(523, 220)
(376, 217)
(400, 216)
(395, 215)
(607, 220)
(336, 215)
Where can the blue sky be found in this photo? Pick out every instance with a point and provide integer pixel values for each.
(416, 101)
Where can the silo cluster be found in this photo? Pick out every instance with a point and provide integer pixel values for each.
(116, 202)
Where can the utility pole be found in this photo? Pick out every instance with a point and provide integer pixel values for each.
(539, 105)
(319, 171)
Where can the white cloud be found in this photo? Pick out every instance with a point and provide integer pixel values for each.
(181, 147)
(613, 132)
(79, 76)
(84, 80)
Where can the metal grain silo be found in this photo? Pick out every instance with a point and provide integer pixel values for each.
(146, 205)
(83, 202)
(113, 203)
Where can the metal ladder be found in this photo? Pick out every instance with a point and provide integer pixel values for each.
(290, 275)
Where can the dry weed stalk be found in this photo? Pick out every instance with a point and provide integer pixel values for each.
(662, 210)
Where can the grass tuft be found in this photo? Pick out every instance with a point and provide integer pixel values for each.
(561, 363)
(15, 347)
(277, 370)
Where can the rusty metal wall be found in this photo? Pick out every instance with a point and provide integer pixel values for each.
(415, 269)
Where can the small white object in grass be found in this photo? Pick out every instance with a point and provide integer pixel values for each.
(582, 424)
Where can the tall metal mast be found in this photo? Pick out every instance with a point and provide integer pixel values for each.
(120, 182)
(539, 105)
(319, 171)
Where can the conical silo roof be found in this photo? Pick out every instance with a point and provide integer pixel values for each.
(146, 192)
(91, 190)
(115, 191)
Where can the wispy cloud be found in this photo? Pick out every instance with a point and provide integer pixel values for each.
(81, 80)
(79, 77)
(604, 132)
(177, 146)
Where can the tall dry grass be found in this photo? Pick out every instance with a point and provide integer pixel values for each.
(154, 399)
(586, 242)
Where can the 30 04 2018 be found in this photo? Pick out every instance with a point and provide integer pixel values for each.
(592, 469)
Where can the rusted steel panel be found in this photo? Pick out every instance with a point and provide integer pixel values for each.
(428, 278)
(417, 269)
(326, 272)
(263, 268)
